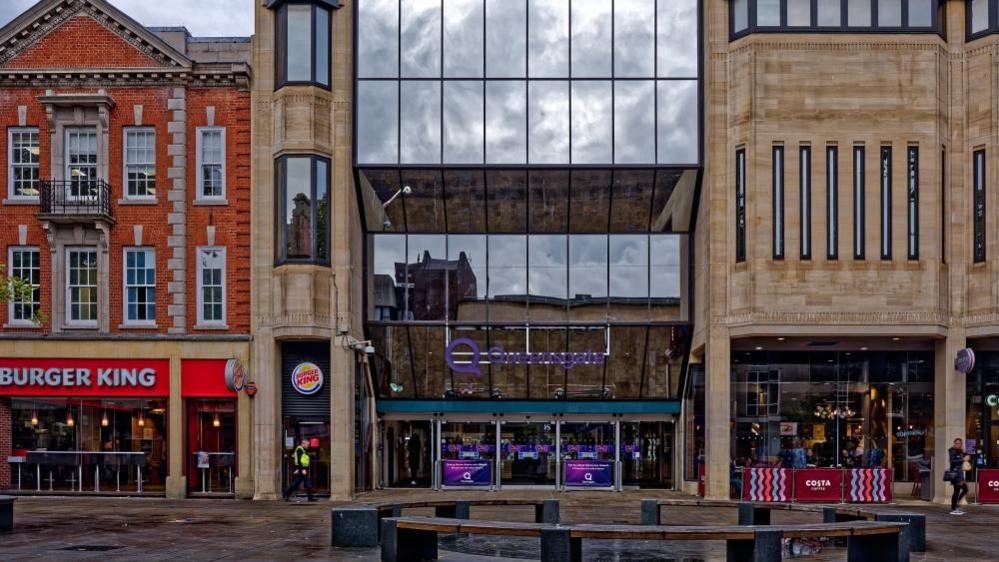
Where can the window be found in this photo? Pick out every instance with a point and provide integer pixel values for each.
(140, 286)
(211, 287)
(886, 202)
(770, 16)
(740, 15)
(799, 13)
(858, 13)
(303, 209)
(832, 202)
(25, 264)
(81, 287)
(943, 205)
(778, 196)
(912, 202)
(829, 13)
(81, 163)
(805, 200)
(978, 17)
(22, 172)
(978, 203)
(303, 45)
(140, 163)
(740, 205)
(859, 231)
(211, 163)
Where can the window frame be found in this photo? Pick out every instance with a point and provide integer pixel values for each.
(281, 47)
(844, 26)
(125, 163)
(778, 194)
(832, 202)
(912, 201)
(11, 131)
(280, 187)
(805, 201)
(886, 184)
(199, 160)
(36, 289)
(859, 202)
(151, 253)
(201, 322)
(979, 186)
(740, 205)
(991, 21)
(68, 289)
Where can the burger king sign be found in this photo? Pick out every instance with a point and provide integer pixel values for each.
(307, 379)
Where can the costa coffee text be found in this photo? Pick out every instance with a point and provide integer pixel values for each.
(77, 377)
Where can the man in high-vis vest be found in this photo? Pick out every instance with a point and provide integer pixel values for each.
(302, 460)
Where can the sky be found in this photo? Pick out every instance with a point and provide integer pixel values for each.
(204, 18)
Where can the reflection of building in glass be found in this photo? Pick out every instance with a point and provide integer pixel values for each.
(299, 229)
(431, 284)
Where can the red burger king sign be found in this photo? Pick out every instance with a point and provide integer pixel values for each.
(307, 378)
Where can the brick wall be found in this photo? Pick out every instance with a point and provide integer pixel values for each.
(6, 433)
(61, 48)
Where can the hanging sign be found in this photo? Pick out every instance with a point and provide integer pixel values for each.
(307, 379)
(965, 361)
(589, 474)
(767, 485)
(988, 485)
(235, 376)
(869, 485)
(465, 472)
(818, 485)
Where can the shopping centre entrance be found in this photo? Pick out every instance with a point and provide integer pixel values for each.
(517, 450)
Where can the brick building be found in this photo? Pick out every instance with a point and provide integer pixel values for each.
(126, 201)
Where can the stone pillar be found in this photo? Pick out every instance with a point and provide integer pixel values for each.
(244, 447)
(176, 484)
(949, 407)
(343, 370)
(267, 432)
(177, 196)
(717, 413)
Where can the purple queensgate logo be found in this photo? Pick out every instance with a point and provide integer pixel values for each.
(469, 361)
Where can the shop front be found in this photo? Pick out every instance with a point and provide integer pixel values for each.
(211, 425)
(305, 407)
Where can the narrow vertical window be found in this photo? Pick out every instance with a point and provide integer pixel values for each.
(81, 287)
(140, 287)
(805, 200)
(740, 205)
(912, 202)
(22, 163)
(211, 163)
(886, 202)
(978, 205)
(211, 287)
(140, 163)
(778, 197)
(832, 207)
(943, 205)
(858, 203)
(25, 264)
(302, 43)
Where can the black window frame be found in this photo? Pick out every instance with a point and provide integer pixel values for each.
(885, 182)
(943, 204)
(934, 27)
(979, 244)
(740, 205)
(778, 194)
(281, 46)
(832, 202)
(280, 189)
(992, 25)
(805, 201)
(859, 202)
(912, 201)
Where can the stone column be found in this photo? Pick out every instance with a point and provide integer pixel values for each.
(342, 372)
(177, 196)
(176, 484)
(717, 413)
(245, 452)
(949, 407)
(268, 435)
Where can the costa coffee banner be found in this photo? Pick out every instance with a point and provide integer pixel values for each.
(818, 485)
(988, 485)
(84, 377)
(767, 485)
(869, 485)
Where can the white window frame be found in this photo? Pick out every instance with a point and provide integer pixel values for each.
(200, 196)
(10, 162)
(86, 191)
(125, 163)
(11, 321)
(199, 287)
(68, 289)
(125, 286)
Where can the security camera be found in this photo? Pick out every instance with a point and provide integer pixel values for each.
(387, 224)
(370, 349)
(406, 190)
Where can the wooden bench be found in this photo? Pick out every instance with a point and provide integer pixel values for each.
(412, 539)
(358, 525)
(751, 513)
(6, 514)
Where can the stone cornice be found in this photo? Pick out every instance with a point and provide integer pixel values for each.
(832, 42)
(831, 319)
(224, 76)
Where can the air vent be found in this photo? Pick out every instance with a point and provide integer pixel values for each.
(822, 343)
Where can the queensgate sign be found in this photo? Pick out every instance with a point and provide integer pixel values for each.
(84, 377)
(464, 356)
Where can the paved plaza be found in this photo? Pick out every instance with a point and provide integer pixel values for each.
(158, 529)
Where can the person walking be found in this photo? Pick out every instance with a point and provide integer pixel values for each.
(957, 475)
(302, 461)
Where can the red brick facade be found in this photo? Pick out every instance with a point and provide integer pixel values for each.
(6, 432)
(61, 49)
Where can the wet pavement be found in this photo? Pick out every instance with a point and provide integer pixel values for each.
(67, 528)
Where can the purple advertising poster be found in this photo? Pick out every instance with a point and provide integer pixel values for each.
(589, 474)
(463, 472)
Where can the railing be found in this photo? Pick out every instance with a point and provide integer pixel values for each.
(77, 197)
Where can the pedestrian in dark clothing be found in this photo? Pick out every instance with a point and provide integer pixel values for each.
(302, 462)
(958, 478)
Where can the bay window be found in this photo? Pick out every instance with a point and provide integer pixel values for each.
(302, 35)
(303, 209)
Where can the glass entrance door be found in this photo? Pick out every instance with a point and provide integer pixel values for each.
(528, 453)
(647, 454)
(317, 433)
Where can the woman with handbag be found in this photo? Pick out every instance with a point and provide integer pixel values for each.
(956, 474)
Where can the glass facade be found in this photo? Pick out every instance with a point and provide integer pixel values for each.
(982, 435)
(833, 409)
(890, 16)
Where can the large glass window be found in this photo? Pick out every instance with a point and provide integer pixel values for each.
(140, 163)
(81, 287)
(211, 287)
(211, 163)
(22, 157)
(302, 42)
(749, 16)
(140, 286)
(25, 264)
(978, 16)
(303, 210)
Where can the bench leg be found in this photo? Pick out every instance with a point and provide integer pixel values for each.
(548, 512)
(876, 548)
(406, 545)
(448, 511)
(650, 512)
(917, 528)
(354, 527)
(751, 514)
(766, 547)
(6, 518)
(558, 546)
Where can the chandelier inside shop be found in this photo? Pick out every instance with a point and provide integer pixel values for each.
(829, 412)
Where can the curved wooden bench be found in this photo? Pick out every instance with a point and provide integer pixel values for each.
(7, 514)
(407, 539)
(358, 525)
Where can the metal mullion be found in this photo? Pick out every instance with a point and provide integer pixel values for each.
(613, 93)
(527, 86)
(441, 78)
(570, 102)
(655, 93)
(783, 14)
(814, 16)
(485, 123)
(398, 93)
(645, 359)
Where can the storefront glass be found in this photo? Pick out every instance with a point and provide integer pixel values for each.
(317, 433)
(647, 454)
(211, 446)
(528, 453)
(407, 454)
(90, 444)
(982, 439)
(836, 409)
(693, 432)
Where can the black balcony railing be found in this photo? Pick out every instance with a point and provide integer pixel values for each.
(75, 198)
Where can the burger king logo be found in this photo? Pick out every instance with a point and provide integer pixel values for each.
(307, 379)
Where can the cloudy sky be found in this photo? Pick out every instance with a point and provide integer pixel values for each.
(201, 17)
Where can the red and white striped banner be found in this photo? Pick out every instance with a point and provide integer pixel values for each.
(869, 485)
(767, 485)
